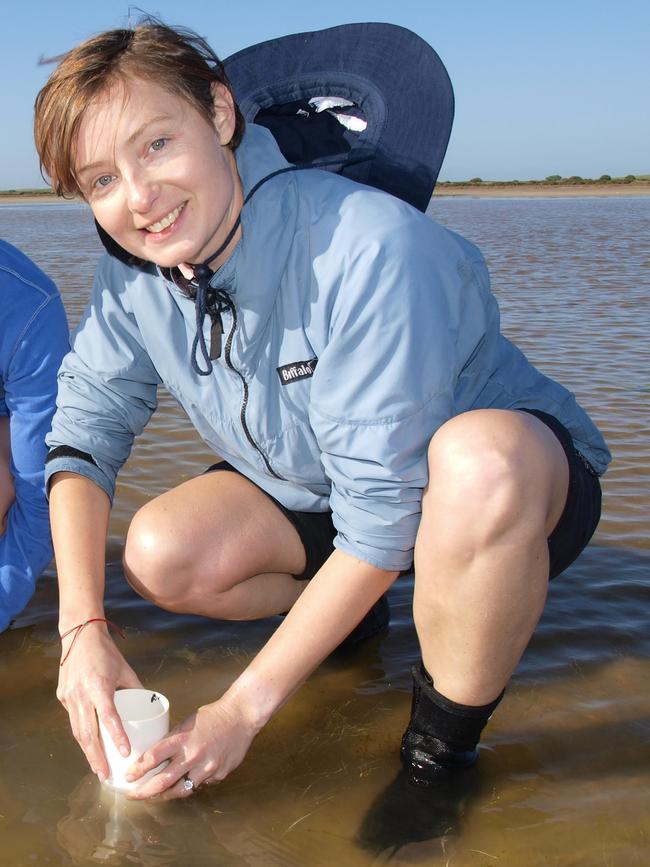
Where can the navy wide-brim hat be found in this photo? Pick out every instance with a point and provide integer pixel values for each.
(398, 86)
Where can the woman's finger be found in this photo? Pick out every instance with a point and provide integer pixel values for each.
(166, 749)
(183, 788)
(112, 722)
(87, 734)
(161, 782)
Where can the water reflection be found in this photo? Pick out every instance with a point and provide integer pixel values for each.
(103, 827)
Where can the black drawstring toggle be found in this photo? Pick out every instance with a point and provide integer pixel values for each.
(204, 296)
(203, 272)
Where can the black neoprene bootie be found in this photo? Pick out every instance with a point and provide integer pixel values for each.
(442, 736)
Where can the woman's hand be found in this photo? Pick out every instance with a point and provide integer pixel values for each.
(88, 679)
(204, 748)
(214, 740)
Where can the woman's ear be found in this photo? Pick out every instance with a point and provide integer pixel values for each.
(224, 112)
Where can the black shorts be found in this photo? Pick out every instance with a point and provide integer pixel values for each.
(581, 512)
(569, 538)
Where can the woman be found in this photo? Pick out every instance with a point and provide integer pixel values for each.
(352, 374)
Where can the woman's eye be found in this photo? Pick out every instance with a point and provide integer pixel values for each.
(158, 144)
(103, 180)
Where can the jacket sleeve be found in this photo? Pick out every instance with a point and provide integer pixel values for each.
(107, 386)
(409, 311)
(30, 389)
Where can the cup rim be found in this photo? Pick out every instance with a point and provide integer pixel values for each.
(153, 694)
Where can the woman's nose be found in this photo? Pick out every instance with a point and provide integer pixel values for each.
(141, 193)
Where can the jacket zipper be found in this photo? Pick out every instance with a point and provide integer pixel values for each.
(242, 412)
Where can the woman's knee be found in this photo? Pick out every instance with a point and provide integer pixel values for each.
(156, 560)
(480, 472)
(168, 562)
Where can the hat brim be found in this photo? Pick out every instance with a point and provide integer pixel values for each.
(395, 78)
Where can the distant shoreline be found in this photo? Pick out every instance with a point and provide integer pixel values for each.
(29, 198)
(541, 190)
(485, 189)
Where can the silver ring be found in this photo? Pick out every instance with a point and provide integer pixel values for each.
(188, 784)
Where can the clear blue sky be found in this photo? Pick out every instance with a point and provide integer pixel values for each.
(542, 86)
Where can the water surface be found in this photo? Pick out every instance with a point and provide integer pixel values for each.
(563, 778)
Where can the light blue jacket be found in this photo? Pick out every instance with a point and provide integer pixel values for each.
(358, 327)
(33, 340)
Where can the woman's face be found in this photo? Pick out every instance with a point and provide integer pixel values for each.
(157, 175)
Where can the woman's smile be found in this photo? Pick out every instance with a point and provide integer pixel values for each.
(159, 227)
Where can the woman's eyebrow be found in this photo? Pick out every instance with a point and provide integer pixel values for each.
(134, 135)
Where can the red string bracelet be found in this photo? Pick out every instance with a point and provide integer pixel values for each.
(81, 626)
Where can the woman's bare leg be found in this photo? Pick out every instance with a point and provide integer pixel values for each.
(497, 487)
(217, 546)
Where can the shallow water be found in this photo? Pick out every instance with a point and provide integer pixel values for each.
(564, 774)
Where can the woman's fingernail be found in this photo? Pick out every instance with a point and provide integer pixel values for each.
(101, 776)
(124, 751)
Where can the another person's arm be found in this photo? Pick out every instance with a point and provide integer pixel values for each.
(7, 489)
(29, 396)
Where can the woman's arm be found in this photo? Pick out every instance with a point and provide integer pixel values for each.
(7, 489)
(214, 740)
(93, 669)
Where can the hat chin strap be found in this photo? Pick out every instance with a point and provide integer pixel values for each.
(210, 297)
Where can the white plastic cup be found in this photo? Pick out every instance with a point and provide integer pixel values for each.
(145, 717)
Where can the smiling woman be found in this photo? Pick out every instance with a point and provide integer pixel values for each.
(409, 429)
(159, 177)
(137, 140)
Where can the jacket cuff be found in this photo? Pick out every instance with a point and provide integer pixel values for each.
(391, 561)
(81, 468)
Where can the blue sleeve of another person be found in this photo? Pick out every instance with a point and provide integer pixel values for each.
(33, 340)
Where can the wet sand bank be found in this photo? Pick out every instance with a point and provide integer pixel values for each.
(31, 199)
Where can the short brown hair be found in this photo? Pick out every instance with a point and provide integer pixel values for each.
(177, 59)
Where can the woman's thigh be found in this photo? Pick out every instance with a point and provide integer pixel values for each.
(218, 528)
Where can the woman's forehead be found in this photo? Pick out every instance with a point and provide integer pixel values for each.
(138, 93)
(118, 112)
